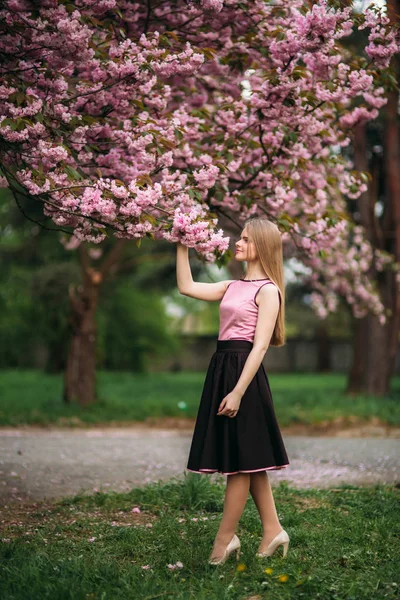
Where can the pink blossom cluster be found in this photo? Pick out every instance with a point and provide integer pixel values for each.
(382, 260)
(212, 5)
(383, 44)
(352, 186)
(193, 230)
(206, 176)
(183, 63)
(343, 271)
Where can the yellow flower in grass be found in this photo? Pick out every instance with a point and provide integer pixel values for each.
(241, 567)
(268, 571)
(283, 578)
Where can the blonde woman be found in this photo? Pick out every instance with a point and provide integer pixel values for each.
(236, 431)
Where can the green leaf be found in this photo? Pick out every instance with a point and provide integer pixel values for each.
(20, 125)
(71, 172)
(208, 52)
(365, 176)
(197, 195)
(284, 222)
(20, 98)
(286, 217)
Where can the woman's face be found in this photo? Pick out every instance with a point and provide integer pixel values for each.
(244, 247)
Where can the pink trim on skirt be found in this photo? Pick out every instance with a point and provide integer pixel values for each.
(236, 472)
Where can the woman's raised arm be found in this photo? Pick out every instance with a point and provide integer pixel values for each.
(202, 291)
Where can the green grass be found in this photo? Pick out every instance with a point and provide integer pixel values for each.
(342, 545)
(31, 397)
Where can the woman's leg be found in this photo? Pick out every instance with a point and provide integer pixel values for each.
(260, 489)
(236, 494)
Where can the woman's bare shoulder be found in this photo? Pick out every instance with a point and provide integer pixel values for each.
(228, 282)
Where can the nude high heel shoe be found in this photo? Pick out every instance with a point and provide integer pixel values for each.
(233, 545)
(281, 538)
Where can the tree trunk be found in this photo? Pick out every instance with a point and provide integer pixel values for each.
(375, 346)
(392, 169)
(80, 372)
(360, 354)
(323, 349)
(373, 359)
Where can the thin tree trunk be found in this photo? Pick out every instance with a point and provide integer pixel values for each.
(323, 349)
(360, 342)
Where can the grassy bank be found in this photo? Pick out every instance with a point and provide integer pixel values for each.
(31, 397)
(154, 542)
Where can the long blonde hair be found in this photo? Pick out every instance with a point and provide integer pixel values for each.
(268, 243)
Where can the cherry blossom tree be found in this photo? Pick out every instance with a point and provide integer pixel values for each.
(156, 118)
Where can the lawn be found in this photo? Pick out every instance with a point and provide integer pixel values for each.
(32, 397)
(154, 542)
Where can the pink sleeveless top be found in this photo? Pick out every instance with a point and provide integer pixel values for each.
(238, 310)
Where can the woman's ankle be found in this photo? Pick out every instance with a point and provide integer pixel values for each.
(222, 537)
(272, 529)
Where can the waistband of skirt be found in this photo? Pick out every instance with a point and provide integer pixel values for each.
(234, 345)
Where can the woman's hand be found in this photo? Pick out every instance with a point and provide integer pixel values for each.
(230, 405)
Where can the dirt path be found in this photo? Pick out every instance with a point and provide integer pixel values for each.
(45, 463)
(348, 426)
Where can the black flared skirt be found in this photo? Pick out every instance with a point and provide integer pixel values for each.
(251, 441)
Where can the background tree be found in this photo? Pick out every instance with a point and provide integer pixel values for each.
(35, 318)
(376, 149)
